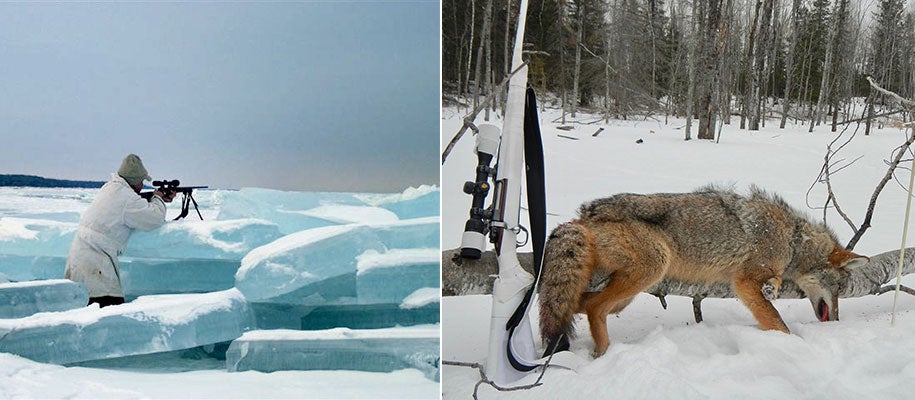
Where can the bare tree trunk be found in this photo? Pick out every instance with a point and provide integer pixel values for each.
(675, 67)
(607, 85)
(652, 10)
(707, 109)
(869, 108)
(762, 48)
(581, 28)
(473, 15)
(789, 62)
(826, 77)
(774, 43)
(481, 50)
(750, 79)
(697, 15)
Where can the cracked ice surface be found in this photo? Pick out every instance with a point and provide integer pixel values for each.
(422, 201)
(298, 211)
(378, 350)
(308, 257)
(392, 276)
(149, 324)
(22, 299)
(37, 249)
(188, 238)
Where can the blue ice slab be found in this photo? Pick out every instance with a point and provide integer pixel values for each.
(356, 316)
(139, 276)
(190, 238)
(142, 277)
(418, 233)
(150, 324)
(22, 299)
(223, 240)
(392, 276)
(304, 259)
(362, 316)
(64, 216)
(28, 268)
(424, 201)
(376, 350)
(36, 237)
(283, 208)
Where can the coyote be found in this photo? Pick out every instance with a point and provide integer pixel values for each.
(623, 244)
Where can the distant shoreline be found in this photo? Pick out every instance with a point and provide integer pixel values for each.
(38, 181)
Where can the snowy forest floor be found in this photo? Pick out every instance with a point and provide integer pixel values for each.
(657, 353)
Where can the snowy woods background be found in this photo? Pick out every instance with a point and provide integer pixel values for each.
(721, 61)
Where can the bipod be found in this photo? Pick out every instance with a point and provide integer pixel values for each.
(186, 205)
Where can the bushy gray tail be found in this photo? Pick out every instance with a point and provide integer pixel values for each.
(567, 265)
(628, 207)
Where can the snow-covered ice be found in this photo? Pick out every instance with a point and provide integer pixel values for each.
(377, 350)
(423, 201)
(368, 316)
(168, 345)
(392, 276)
(22, 299)
(286, 209)
(149, 324)
(291, 266)
(208, 239)
(141, 276)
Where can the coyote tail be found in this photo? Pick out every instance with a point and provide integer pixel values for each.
(627, 207)
(567, 266)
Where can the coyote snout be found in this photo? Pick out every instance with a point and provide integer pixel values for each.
(712, 235)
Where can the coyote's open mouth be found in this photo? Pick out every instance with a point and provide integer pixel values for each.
(823, 310)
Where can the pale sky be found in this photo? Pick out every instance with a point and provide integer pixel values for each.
(336, 96)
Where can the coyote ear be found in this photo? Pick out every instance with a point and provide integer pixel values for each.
(841, 258)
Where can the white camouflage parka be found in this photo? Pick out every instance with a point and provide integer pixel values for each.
(103, 233)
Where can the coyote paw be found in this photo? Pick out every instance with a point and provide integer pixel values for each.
(770, 288)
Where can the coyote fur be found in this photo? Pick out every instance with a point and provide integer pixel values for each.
(623, 244)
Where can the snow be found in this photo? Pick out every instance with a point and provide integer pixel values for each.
(21, 378)
(419, 331)
(394, 258)
(411, 193)
(422, 297)
(342, 214)
(657, 353)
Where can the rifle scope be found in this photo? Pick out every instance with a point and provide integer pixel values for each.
(474, 238)
(173, 182)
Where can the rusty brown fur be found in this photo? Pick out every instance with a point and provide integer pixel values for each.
(708, 236)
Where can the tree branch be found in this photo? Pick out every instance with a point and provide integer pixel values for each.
(467, 277)
(900, 152)
(905, 103)
(468, 120)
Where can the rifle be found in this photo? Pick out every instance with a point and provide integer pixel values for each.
(174, 186)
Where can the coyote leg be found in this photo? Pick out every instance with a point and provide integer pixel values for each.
(616, 296)
(615, 310)
(748, 290)
(771, 287)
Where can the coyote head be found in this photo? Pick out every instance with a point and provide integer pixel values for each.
(825, 276)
